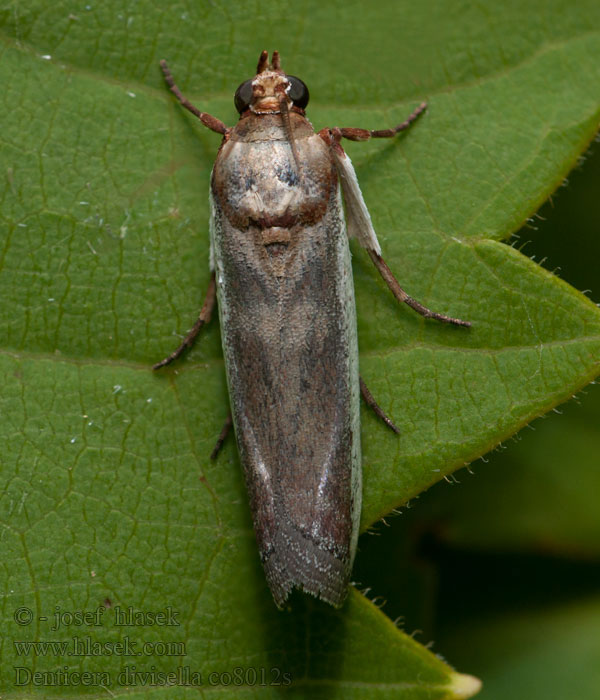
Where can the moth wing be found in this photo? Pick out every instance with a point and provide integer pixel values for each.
(288, 327)
(358, 219)
(292, 369)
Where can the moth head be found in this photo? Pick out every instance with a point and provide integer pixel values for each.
(265, 93)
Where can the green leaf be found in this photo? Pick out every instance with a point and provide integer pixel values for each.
(109, 494)
(536, 494)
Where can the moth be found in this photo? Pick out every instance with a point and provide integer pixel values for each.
(281, 273)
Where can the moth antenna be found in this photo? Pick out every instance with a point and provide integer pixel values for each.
(285, 115)
(276, 61)
(263, 62)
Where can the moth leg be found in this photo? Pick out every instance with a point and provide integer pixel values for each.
(222, 435)
(371, 403)
(354, 134)
(207, 119)
(358, 219)
(204, 317)
(402, 296)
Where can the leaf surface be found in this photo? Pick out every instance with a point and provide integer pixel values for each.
(109, 493)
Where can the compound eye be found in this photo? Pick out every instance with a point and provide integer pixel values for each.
(298, 92)
(243, 96)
